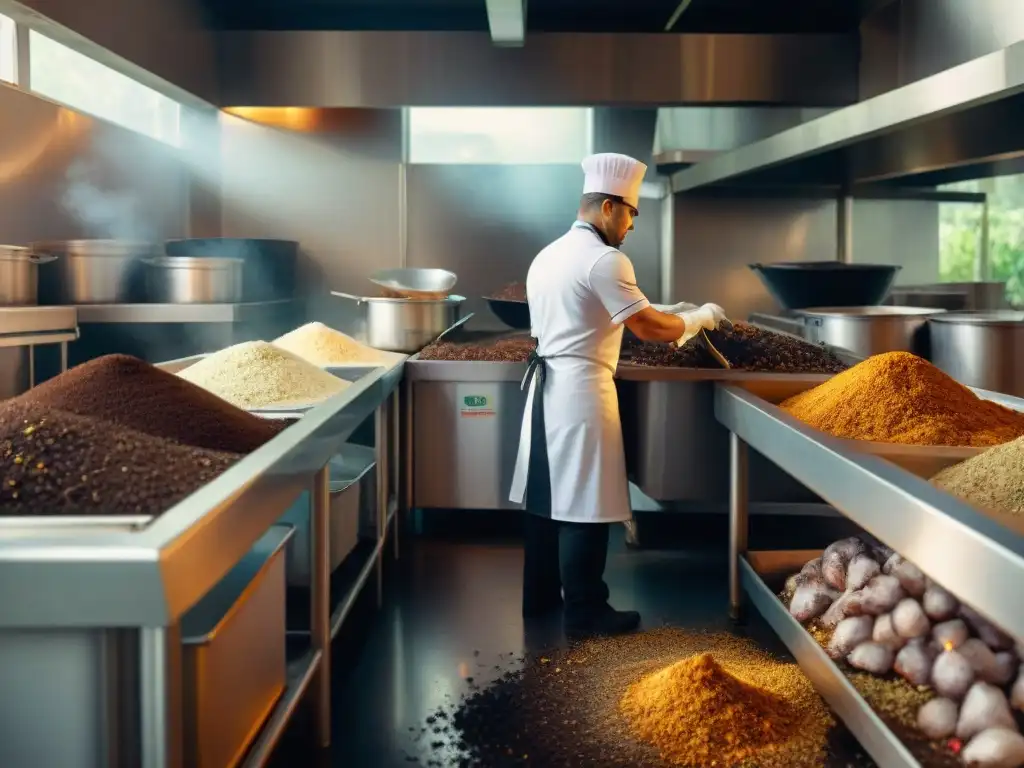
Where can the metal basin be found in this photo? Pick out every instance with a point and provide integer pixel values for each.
(866, 331)
(93, 272)
(193, 280)
(407, 325)
(981, 349)
(19, 276)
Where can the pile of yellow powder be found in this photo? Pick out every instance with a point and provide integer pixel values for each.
(733, 706)
(256, 374)
(324, 346)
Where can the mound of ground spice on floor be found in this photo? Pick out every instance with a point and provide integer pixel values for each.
(745, 346)
(134, 394)
(57, 463)
(564, 709)
(898, 397)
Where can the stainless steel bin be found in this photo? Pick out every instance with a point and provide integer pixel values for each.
(233, 660)
(348, 512)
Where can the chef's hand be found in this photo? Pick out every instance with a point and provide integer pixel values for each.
(708, 317)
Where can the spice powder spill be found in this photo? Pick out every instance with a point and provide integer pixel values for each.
(898, 397)
(323, 346)
(136, 395)
(256, 374)
(561, 708)
(713, 710)
(57, 463)
(993, 479)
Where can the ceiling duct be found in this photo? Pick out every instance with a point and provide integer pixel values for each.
(687, 135)
(507, 21)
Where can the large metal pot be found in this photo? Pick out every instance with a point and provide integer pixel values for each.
(189, 280)
(94, 272)
(406, 325)
(270, 265)
(981, 349)
(19, 276)
(867, 331)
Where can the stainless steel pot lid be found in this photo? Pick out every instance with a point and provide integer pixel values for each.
(22, 253)
(193, 262)
(869, 313)
(1009, 317)
(415, 280)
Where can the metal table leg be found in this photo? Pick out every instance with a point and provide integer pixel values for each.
(161, 735)
(320, 601)
(395, 452)
(63, 356)
(739, 520)
(381, 451)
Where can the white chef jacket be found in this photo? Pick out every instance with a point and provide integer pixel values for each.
(580, 291)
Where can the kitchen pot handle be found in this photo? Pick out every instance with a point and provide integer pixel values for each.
(817, 322)
(356, 299)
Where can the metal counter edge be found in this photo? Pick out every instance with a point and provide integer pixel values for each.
(967, 552)
(150, 577)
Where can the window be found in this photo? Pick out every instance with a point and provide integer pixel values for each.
(69, 77)
(960, 232)
(8, 50)
(499, 136)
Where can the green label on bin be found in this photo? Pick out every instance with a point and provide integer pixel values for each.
(475, 401)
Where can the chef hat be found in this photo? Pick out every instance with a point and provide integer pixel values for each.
(612, 174)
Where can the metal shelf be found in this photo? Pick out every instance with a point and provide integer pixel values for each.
(978, 556)
(873, 734)
(180, 313)
(955, 125)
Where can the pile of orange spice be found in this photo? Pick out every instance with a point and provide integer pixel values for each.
(733, 710)
(898, 397)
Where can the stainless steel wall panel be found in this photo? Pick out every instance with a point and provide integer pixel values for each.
(391, 69)
(715, 240)
(330, 181)
(65, 175)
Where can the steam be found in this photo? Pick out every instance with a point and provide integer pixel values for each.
(104, 214)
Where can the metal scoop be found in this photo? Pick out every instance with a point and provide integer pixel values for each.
(719, 357)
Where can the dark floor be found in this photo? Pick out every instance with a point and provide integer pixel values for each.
(452, 611)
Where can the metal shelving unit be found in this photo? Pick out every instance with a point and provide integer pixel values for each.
(955, 125)
(979, 556)
(180, 313)
(37, 326)
(149, 572)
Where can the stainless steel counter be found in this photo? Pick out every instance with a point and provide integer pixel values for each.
(977, 555)
(133, 578)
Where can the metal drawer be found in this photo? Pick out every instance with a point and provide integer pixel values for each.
(233, 659)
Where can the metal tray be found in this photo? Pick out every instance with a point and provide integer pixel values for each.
(834, 687)
(233, 660)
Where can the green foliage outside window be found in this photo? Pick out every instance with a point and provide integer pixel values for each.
(960, 235)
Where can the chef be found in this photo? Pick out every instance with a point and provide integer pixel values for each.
(570, 470)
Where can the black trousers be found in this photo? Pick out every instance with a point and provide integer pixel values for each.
(559, 556)
(567, 557)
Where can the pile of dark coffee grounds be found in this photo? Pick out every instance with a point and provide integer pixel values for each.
(508, 349)
(57, 463)
(134, 394)
(511, 292)
(746, 347)
(563, 708)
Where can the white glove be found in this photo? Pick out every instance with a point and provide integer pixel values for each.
(707, 317)
(675, 309)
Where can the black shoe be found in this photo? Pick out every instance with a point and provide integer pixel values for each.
(536, 607)
(608, 622)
